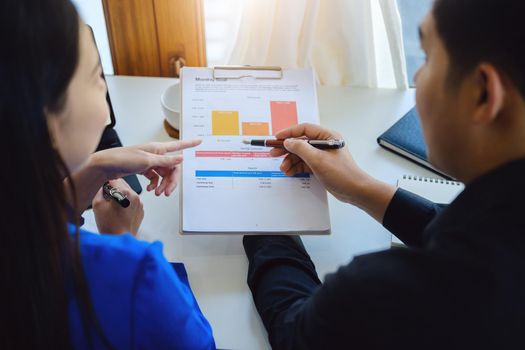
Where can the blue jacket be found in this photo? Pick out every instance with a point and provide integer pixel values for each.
(140, 300)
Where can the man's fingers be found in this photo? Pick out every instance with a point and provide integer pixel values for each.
(278, 152)
(304, 150)
(289, 161)
(311, 131)
(298, 168)
(285, 165)
(292, 170)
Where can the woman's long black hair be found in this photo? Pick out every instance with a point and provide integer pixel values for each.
(40, 260)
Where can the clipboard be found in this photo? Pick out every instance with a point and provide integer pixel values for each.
(222, 105)
(242, 72)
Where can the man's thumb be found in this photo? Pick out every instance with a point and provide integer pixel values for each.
(301, 148)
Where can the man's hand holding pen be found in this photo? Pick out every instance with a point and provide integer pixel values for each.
(334, 168)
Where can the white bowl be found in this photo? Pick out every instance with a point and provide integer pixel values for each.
(170, 103)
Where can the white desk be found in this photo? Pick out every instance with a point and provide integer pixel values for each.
(217, 265)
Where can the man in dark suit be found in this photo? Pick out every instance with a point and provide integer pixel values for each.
(460, 283)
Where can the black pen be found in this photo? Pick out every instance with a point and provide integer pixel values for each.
(320, 144)
(114, 193)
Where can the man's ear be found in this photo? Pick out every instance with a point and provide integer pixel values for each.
(491, 93)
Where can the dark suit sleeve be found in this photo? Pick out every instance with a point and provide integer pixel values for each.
(407, 216)
(369, 297)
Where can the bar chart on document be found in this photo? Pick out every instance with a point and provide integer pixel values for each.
(231, 187)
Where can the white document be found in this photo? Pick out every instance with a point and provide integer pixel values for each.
(230, 187)
(436, 190)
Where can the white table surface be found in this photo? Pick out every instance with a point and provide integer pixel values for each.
(217, 265)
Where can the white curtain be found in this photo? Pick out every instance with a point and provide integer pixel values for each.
(347, 42)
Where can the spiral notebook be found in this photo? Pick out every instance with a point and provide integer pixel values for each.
(437, 190)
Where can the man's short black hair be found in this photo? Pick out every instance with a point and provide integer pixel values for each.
(476, 31)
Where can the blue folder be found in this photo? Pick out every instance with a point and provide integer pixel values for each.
(405, 138)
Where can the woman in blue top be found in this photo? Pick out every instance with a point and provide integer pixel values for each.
(63, 287)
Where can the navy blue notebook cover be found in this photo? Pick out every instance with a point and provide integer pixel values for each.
(405, 138)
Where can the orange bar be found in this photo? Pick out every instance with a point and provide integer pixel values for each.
(225, 123)
(255, 129)
(284, 115)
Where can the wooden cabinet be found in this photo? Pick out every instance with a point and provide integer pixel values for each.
(155, 37)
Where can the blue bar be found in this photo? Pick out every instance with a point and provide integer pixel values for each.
(228, 173)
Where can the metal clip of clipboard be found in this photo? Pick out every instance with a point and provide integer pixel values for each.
(240, 72)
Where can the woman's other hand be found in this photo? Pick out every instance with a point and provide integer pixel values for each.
(111, 217)
(151, 160)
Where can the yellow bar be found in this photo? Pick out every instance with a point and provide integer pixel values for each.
(225, 123)
(256, 129)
